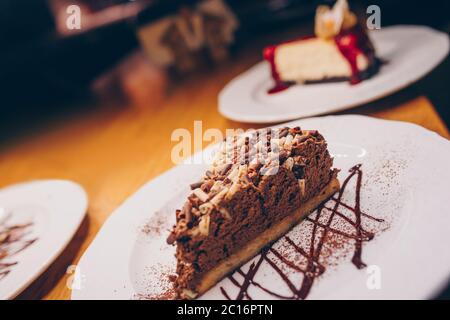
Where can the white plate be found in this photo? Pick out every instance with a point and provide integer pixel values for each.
(411, 52)
(405, 181)
(55, 209)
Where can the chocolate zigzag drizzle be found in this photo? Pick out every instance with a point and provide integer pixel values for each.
(12, 241)
(322, 226)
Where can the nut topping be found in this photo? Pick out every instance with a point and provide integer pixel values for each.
(201, 194)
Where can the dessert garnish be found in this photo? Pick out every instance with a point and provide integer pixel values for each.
(340, 50)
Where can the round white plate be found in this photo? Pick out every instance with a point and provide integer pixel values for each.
(410, 51)
(405, 182)
(55, 209)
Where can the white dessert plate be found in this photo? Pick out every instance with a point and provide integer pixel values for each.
(410, 53)
(404, 181)
(49, 213)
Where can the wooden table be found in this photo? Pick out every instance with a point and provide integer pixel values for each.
(112, 151)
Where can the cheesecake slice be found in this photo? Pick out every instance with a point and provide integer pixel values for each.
(340, 51)
(260, 185)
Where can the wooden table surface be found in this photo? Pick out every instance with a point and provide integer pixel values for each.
(112, 151)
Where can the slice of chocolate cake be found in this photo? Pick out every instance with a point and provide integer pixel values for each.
(259, 186)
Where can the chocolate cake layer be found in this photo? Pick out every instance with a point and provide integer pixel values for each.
(256, 180)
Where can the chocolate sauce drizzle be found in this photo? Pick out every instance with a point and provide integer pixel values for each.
(319, 236)
(12, 241)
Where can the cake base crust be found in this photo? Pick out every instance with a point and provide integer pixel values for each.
(269, 236)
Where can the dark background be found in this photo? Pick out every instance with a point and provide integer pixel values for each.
(43, 72)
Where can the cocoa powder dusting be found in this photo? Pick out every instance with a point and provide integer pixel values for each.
(160, 287)
(156, 226)
(166, 295)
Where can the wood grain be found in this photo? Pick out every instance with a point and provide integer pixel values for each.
(114, 150)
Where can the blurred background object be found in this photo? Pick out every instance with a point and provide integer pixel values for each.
(42, 68)
(95, 14)
(46, 67)
(182, 36)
